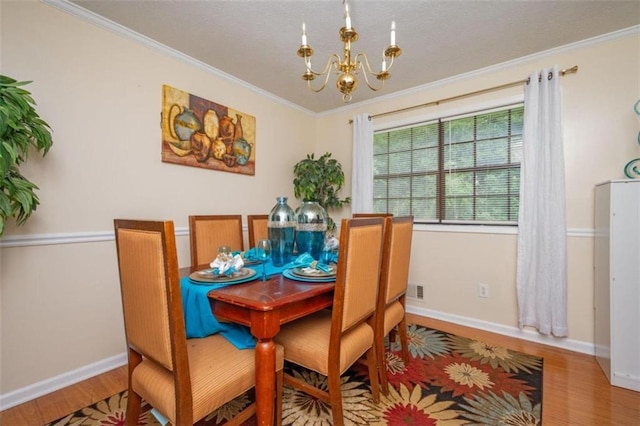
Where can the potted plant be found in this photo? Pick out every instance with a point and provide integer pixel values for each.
(320, 180)
(20, 129)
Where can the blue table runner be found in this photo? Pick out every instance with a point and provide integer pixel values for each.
(199, 320)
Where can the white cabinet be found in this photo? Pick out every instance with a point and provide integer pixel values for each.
(617, 281)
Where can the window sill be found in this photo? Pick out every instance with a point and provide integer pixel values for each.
(466, 229)
(492, 229)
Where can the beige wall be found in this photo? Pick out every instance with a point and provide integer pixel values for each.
(101, 93)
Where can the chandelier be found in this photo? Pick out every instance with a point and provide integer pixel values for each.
(347, 68)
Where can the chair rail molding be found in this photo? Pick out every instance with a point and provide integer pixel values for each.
(97, 236)
(67, 238)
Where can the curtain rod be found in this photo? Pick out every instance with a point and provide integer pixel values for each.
(573, 69)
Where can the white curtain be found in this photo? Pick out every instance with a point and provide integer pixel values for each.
(362, 167)
(542, 246)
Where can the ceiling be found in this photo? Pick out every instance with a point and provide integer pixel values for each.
(256, 41)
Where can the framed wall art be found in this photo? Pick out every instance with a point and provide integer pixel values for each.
(200, 133)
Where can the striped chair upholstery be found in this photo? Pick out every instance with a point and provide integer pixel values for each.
(208, 232)
(257, 224)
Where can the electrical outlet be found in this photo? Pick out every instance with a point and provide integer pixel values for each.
(483, 290)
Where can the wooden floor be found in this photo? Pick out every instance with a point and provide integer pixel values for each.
(575, 392)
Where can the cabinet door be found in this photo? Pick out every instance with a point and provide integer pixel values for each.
(625, 284)
(617, 282)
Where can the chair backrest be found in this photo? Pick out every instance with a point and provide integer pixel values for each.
(358, 273)
(208, 232)
(257, 224)
(395, 258)
(150, 286)
(360, 215)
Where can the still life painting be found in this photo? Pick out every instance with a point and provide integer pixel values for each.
(200, 133)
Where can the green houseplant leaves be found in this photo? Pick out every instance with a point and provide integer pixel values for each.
(320, 180)
(21, 129)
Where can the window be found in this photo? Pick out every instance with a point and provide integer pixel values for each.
(461, 169)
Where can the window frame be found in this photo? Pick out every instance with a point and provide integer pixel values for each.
(439, 113)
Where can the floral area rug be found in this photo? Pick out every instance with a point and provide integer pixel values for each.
(449, 381)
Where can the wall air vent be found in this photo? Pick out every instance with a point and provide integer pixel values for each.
(415, 291)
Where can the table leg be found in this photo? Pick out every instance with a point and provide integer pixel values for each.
(265, 381)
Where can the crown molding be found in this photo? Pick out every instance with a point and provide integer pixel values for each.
(114, 27)
(635, 30)
(102, 22)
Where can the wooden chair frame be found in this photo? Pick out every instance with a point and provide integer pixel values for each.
(395, 266)
(256, 233)
(338, 327)
(361, 215)
(177, 362)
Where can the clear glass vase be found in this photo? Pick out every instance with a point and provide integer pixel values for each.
(281, 226)
(311, 228)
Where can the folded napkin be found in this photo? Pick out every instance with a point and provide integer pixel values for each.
(305, 260)
(199, 321)
(330, 250)
(227, 265)
(331, 244)
(250, 255)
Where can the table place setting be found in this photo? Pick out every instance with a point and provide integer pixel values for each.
(306, 268)
(229, 268)
(224, 270)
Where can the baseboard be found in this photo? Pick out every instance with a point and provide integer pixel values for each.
(526, 334)
(36, 390)
(626, 381)
(69, 378)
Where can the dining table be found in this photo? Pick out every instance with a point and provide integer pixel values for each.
(263, 306)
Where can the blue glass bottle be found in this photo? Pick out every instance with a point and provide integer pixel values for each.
(282, 230)
(311, 228)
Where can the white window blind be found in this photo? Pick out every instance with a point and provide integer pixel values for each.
(460, 169)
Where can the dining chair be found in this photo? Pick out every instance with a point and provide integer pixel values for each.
(330, 341)
(258, 230)
(394, 277)
(184, 380)
(360, 215)
(208, 232)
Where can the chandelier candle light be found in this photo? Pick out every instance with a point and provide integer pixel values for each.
(347, 68)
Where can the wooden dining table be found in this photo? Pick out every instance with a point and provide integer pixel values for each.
(264, 306)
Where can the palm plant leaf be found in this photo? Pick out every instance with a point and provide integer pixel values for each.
(21, 129)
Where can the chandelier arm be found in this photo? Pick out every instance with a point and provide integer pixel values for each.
(368, 65)
(331, 62)
(363, 61)
(390, 64)
(319, 89)
(366, 79)
(365, 72)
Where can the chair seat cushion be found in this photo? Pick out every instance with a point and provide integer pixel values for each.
(219, 372)
(393, 314)
(306, 342)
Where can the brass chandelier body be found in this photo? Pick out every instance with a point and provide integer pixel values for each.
(347, 67)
